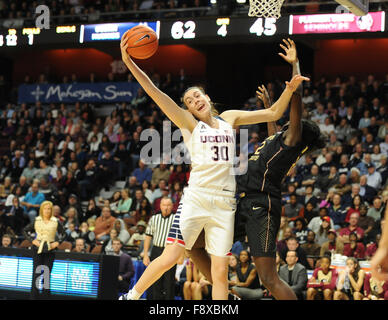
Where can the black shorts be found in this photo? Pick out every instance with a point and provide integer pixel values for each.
(259, 215)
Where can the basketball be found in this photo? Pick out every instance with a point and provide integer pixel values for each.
(142, 42)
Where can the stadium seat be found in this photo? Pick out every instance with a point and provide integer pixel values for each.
(65, 245)
(25, 244)
(97, 249)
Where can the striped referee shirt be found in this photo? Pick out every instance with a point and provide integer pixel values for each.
(158, 228)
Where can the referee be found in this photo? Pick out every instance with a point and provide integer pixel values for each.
(158, 227)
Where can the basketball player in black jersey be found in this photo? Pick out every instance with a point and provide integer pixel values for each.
(259, 209)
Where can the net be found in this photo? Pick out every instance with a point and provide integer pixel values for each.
(265, 8)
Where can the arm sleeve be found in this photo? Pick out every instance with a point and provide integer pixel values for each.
(150, 228)
(367, 285)
(301, 282)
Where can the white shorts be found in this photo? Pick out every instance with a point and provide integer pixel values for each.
(211, 210)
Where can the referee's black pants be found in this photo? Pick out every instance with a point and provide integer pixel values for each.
(164, 288)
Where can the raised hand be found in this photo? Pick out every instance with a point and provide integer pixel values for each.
(295, 82)
(123, 47)
(291, 55)
(263, 95)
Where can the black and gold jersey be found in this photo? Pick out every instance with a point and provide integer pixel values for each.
(268, 166)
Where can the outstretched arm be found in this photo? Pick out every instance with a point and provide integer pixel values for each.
(182, 118)
(294, 131)
(274, 113)
(263, 95)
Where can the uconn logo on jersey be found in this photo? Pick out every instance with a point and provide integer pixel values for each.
(217, 138)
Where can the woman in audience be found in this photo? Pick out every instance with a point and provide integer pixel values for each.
(92, 210)
(350, 284)
(354, 248)
(232, 273)
(114, 201)
(86, 234)
(144, 212)
(356, 205)
(196, 286)
(301, 231)
(247, 285)
(107, 245)
(323, 281)
(146, 190)
(321, 236)
(124, 204)
(71, 216)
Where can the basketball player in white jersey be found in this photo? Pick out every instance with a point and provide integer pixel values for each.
(208, 202)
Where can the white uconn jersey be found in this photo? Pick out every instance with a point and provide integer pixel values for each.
(212, 154)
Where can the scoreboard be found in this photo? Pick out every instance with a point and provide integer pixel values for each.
(199, 29)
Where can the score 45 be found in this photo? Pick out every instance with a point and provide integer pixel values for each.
(262, 26)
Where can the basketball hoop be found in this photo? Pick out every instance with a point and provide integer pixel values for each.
(265, 8)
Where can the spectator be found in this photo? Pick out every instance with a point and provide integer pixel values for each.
(374, 179)
(337, 212)
(294, 274)
(126, 269)
(316, 222)
(247, 285)
(355, 207)
(86, 234)
(80, 245)
(32, 202)
(375, 289)
(354, 248)
(350, 282)
(122, 233)
(92, 211)
(309, 197)
(323, 232)
(366, 223)
(366, 191)
(301, 230)
(30, 171)
(293, 245)
(14, 217)
(124, 204)
(145, 211)
(311, 248)
(160, 173)
(88, 180)
(107, 247)
(71, 216)
(106, 170)
(352, 227)
(104, 224)
(192, 289)
(293, 209)
(376, 211)
(139, 235)
(323, 281)
(6, 241)
(158, 191)
(165, 193)
(177, 175)
(333, 245)
(142, 173)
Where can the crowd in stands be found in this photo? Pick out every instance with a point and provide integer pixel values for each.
(90, 168)
(98, 10)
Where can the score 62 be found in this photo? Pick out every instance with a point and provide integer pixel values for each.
(183, 30)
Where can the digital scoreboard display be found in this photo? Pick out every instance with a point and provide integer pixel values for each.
(68, 277)
(216, 30)
(111, 31)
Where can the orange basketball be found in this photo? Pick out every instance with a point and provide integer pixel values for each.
(142, 42)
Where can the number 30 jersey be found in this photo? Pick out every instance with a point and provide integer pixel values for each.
(212, 154)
